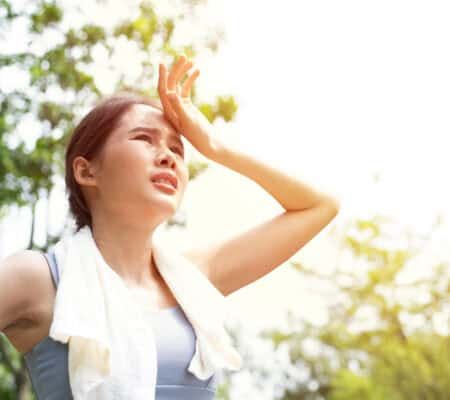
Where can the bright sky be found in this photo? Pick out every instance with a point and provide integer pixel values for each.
(351, 96)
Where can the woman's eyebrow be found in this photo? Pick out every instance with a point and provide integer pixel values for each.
(155, 131)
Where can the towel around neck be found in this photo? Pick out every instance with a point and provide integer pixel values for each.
(107, 331)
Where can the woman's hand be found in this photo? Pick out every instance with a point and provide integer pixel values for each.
(179, 110)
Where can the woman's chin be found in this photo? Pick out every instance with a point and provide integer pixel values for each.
(163, 201)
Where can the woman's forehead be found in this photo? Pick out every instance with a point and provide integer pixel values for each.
(146, 116)
(140, 113)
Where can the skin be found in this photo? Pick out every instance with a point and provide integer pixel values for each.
(126, 207)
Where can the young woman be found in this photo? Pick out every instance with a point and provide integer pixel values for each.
(126, 174)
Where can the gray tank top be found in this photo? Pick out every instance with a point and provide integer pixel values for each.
(47, 361)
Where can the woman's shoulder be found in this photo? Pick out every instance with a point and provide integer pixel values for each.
(26, 296)
(33, 287)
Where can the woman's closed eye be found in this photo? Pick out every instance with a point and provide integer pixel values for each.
(180, 151)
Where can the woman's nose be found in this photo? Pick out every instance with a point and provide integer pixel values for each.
(166, 157)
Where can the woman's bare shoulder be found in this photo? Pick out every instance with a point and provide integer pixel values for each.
(28, 286)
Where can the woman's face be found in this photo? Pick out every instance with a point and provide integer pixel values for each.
(130, 157)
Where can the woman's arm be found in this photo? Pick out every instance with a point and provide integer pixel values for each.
(290, 192)
(237, 261)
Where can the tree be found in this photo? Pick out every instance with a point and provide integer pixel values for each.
(381, 340)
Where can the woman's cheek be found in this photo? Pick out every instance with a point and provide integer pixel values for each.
(132, 159)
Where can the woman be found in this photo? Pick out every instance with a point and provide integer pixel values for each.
(125, 175)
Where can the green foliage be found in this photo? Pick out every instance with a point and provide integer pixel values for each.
(225, 107)
(143, 27)
(386, 358)
(415, 370)
(196, 169)
(47, 15)
(348, 385)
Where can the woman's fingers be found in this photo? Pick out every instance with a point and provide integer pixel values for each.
(186, 88)
(169, 90)
(175, 73)
(162, 90)
(180, 73)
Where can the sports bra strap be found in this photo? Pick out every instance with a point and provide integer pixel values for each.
(51, 261)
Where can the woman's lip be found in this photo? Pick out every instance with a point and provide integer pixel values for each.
(169, 176)
(166, 187)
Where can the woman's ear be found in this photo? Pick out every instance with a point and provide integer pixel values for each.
(84, 171)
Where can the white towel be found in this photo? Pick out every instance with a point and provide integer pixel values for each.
(112, 353)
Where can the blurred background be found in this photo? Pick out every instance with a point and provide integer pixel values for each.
(351, 96)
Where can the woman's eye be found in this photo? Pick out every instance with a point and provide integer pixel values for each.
(143, 136)
(178, 150)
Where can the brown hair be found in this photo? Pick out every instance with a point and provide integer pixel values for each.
(88, 139)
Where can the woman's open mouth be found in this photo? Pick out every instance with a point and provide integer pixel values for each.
(166, 187)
